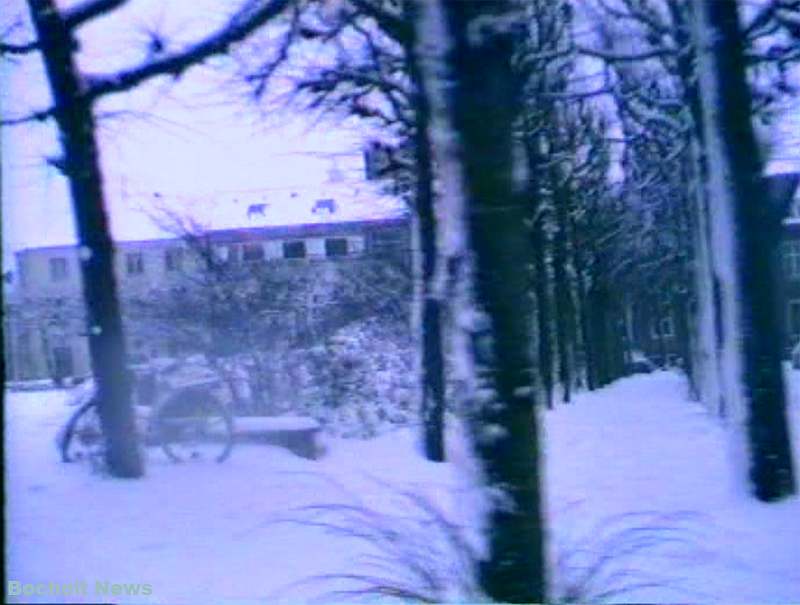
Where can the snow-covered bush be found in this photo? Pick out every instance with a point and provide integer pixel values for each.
(359, 382)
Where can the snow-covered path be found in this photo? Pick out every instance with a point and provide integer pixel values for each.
(639, 447)
(201, 534)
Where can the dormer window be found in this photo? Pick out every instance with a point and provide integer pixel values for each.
(326, 206)
(59, 270)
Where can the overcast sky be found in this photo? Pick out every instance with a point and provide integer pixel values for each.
(195, 139)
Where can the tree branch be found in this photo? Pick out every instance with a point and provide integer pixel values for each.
(78, 15)
(393, 25)
(241, 25)
(18, 49)
(36, 116)
(613, 57)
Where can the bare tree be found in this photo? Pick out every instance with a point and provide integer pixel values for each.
(466, 50)
(379, 81)
(74, 96)
(743, 223)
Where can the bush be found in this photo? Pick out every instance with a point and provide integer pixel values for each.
(359, 382)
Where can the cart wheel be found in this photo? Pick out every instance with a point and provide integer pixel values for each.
(193, 425)
(82, 434)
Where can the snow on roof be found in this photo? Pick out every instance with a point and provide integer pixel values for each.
(298, 207)
(294, 207)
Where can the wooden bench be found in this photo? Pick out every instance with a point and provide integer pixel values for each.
(298, 434)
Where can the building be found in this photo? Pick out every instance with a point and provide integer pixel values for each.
(657, 335)
(45, 327)
(790, 274)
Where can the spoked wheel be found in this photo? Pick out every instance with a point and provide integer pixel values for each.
(193, 425)
(82, 434)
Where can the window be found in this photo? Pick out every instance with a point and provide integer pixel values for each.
(794, 318)
(26, 367)
(173, 259)
(228, 253)
(663, 328)
(134, 263)
(252, 252)
(791, 258)
(59, 270)
(294, 249)
(326, 206)
(63, 365)
(388, 239)
(336, 246)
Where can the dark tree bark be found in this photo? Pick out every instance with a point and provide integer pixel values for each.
(73, 114)
(590, 364)
(485, 106)
(745, 234)
(543, 310)
(433, 366)
(565, 333)
(73, 99)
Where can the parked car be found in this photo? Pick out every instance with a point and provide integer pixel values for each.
(640, 366)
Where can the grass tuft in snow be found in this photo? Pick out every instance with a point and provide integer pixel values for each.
(623, 555)
(415, 553)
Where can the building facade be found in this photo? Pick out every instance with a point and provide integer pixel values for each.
(44, 322)
(657, 333)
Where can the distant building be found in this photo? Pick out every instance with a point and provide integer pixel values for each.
(656, 335)
(44, 327)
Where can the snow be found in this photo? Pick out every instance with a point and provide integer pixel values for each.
(276, 423)
(197, 140)
(634, 454)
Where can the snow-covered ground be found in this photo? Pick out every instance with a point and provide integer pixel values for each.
(635, 474)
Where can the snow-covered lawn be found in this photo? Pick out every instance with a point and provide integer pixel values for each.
(634, 454)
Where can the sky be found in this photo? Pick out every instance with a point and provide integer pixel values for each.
(196, 141)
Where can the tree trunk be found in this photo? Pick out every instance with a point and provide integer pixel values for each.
(470, 43)
(541, 274)
(82, 168)
(543, 310)
(707, 371)
(744, 234)
(432, 391)
(586, 319)
(561, 288)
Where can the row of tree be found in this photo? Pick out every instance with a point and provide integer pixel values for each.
(532, 253)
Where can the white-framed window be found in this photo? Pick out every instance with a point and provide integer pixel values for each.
(791, 258)
(793, 318)
(59, 269)
(663, 328)
(134, 263)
